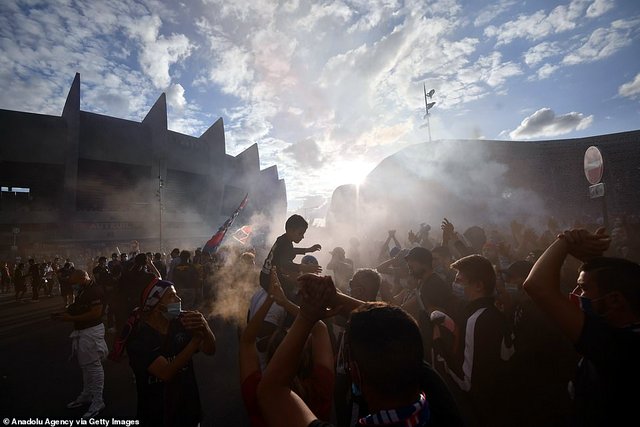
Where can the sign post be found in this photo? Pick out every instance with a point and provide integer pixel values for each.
(593, 171)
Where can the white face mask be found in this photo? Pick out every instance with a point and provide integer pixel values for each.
(512, 289)
(173, 310)
(458, 290)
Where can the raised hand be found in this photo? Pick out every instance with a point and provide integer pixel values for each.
(194, 322)
(448, 230)
(317, 297)
(585, 245)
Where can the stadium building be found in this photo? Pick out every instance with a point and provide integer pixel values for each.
(84, 179)
(493, 182)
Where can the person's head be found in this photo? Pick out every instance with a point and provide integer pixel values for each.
(490, 251)
(160, 299)
(441, 258)
(247, 258)
(31, 261)
(420, 262)
(79, 278)
(613, 288)
(67, 265)
(102, 261)
(185, 256)
(394, 251)
(157, 256)
(385, 351)
(338, 253)
(295, 228)
(475, 277)
(123, 256)
(114, 256)
(476, 237)
(516, 273)
(309, 260)
(140, 260)
(175, 253)
(365, 284)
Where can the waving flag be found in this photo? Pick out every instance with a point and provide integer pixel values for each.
(243, 233)
(212, 245)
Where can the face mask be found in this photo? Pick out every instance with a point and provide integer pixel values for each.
(173, 310)
(458, 290)
(584, 303)
(512, 289)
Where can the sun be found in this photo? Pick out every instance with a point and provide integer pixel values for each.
(355, 171)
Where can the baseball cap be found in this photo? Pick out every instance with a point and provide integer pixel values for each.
(309, 260)
(420, 254)
(519, 269)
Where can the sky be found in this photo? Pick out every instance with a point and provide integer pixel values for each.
(327, 89)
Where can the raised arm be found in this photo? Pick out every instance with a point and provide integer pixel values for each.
(248, 354)
(384, 249)
(279, 404)
(543, 283)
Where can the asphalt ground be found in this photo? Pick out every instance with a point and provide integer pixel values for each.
(37, 379)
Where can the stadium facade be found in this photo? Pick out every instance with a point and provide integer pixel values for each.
(88, 179)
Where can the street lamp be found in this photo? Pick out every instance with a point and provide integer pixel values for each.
(160, 207)
(428, 105)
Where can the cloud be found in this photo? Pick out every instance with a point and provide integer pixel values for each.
(159, 53)
(545, 123)
(491, 12)
(603, 42)
(599, 8)
(539, 24)
(540, 52)
(175, 96)
(546, 71)
(332, 11)
(630, 89)
(306, 153)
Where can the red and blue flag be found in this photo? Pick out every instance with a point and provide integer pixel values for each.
(212, 245)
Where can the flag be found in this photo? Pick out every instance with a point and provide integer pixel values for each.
(212, 245)
(242, 234)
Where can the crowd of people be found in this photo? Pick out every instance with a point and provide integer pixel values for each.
(485, 327)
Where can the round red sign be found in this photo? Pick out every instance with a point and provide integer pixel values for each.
(593, 165)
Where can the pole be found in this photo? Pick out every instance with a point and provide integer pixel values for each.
(428, 96)
(160, 208)
(605, 213)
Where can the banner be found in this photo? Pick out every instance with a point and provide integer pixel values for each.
(212, 245)
(242, 234)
